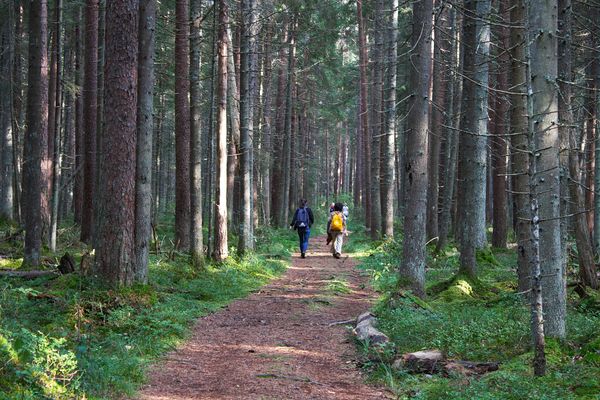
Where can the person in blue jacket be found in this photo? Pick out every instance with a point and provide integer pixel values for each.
(302, 221)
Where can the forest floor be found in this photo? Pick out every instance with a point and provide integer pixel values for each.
(277, 343)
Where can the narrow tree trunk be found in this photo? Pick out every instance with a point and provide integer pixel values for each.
(197, 243)
(364, 117)
(233, 110)
(115, 254)
(56, 129)
(519, 142)
(587, 268)
(79, 124)
(499, 148)
(248, 93)
(90, 105)
(145, 133)
(266, 136)
(17, 104)
(182, 126)
(376, 122)
(389, 142)
(437, 119)
(287, 141)
(6, 117)
(220, 240)
(412, 268)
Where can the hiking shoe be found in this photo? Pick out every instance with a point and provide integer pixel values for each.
(337, 255)
(303, 255)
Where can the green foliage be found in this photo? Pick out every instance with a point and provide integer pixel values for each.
(479, 319)
(67, 337)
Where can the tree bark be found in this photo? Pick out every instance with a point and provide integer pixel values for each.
(412, 269)
(248, 83)
(196, 237)
(115, 253)
(365, 147)
(90, 105)
(542, 23)
(389, 138)
(182, 126)
(6, 117)
(79, 125)
(473, 138)
(145, 133)
(220, 239)
(499, 148)
(37, 118)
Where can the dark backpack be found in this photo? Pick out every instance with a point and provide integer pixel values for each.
(302, 220)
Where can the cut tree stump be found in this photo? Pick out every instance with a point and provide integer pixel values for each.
(67, 264)
(433, 361)
(365, 329)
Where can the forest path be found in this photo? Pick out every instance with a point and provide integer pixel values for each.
(276, 343)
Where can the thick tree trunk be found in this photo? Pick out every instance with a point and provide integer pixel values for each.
(220, 239)
(182, 126)
(145, 133)
(544, 125)
(17, 104)
(473, 139)
(115, 254)
(412, 268)
(90, 105)
(37, 118)
(196, 238)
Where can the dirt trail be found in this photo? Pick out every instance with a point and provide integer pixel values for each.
(276, 343)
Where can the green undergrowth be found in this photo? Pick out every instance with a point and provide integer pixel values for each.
(481, 319)
(65, 337)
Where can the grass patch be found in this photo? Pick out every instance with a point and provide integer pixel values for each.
(338, 286)
(68, 338)
(479, 319)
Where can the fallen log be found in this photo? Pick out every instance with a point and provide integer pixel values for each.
(27, 274)
(366, 331)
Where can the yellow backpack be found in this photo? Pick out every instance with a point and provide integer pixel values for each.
(337, 222)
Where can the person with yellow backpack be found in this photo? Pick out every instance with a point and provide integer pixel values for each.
(336, 227)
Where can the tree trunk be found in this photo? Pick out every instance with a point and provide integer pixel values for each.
(388, 144)
(55, 150)
(544, 126)
(115, 254)
(437, 118)
(364, 120)
(145, 132)
(79, 124)
(473, 139)
(90, 105)
(220, 239)
(519, 142)
(376, 122)
(182, 126)
(287, 131)
(6, 117)
(412, 268)
(499, 148)
(197, 243)
(248, 82)
(37, 118)
(266, 136)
